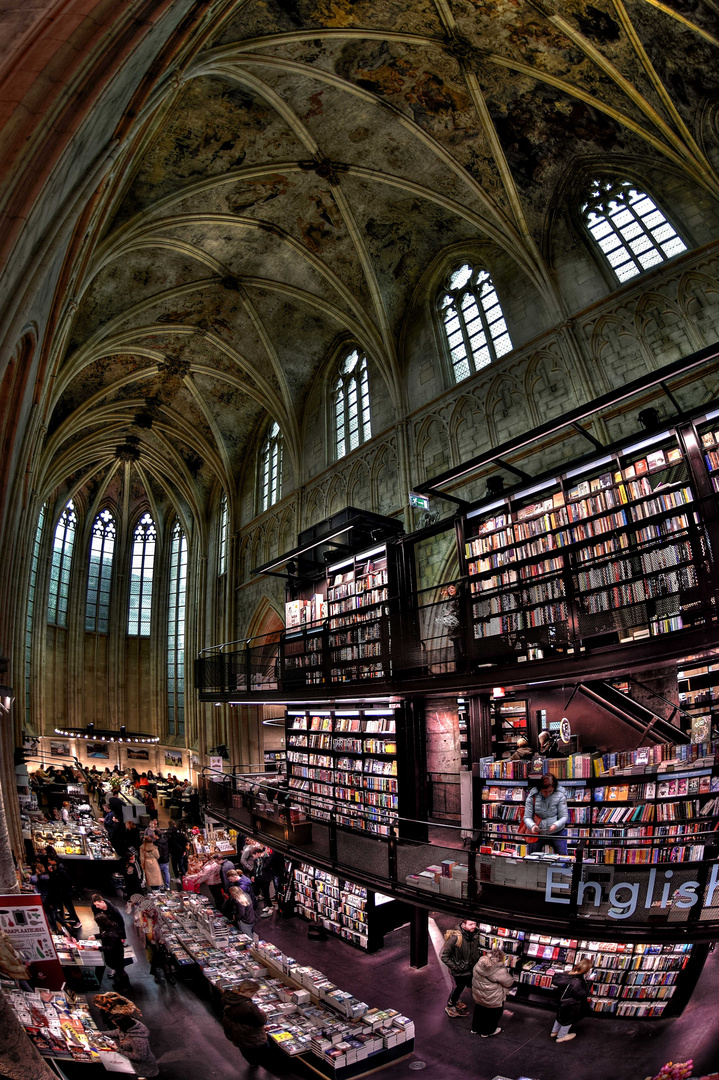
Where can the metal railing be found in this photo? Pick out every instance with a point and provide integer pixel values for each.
(492, 886)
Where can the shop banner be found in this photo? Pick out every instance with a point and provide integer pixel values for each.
(23, 919)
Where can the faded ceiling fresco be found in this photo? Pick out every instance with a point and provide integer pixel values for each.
(296, 178)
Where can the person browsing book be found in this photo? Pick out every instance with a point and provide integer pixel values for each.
(546, 814)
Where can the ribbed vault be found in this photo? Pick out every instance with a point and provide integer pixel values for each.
(289, 186)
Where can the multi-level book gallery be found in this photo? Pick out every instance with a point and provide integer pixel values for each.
(555, 633)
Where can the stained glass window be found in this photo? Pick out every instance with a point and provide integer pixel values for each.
(351, 397)
(30, 614)
(99, 575)
(473, 321)
(143, 562)
(176, 634)
(60, 566)
(630, 230)
(272, 467)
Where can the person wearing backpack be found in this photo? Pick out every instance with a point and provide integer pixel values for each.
(460, 953)
(574, 1001)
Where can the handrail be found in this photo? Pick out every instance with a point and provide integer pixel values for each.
(303, 800)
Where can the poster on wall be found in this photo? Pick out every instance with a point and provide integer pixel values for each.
(23, 920)
(174, 758)
(138, 755)
(97, 749)
(216, 766)
(194, 761)
(60, 749)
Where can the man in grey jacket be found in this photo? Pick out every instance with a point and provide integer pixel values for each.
(546, 814)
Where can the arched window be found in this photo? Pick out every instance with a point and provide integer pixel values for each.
(143, 561)
(176, 633)
(99, 575)
(272, 467)
(30, 614)
(629, 229)
(222, 556)
(351, 397)
(473, 321)
(60, 566)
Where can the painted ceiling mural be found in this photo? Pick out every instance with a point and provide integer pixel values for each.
(298, 174)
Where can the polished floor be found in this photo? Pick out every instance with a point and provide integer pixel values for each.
(189, 1043)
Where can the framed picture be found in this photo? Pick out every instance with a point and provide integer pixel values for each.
(60, 749)
(174, 758)
(138, 755)
(98, 750)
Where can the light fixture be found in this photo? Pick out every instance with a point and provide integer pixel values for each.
(105, 735)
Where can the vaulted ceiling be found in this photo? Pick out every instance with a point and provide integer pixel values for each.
(293, 179)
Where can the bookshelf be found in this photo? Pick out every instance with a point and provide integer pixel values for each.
(638, 807)
(275, 760)
(339, 632)
(605, 553)
(628, 980)
(357, 915)
(357, 600)
(510, 722)
(344, 761)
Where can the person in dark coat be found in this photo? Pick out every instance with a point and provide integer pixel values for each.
(41, 880)
(178, 843)
(61, 890)
(134, 877)
(460, 953)
(112, 943)
(228, 867)
(244, 1023)
(573, 1000)
(101, 906)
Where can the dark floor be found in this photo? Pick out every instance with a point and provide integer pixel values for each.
(190, 1045)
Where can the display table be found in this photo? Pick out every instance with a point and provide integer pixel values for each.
(64, 1031)
(308, 1017)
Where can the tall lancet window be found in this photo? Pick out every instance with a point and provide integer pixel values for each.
(144, 543)
(351, 399)
(473, 320)
(272, 467)
(62, 549)
(176, 633)
(99, 575)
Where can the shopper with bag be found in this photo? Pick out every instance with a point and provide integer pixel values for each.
(574, 1000)
(491, 980)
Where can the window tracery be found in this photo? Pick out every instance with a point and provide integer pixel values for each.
(352, 405)
(141, 576)
(628, 228)
(62, 548)
(176, 633)
(473, 321)
(271, 474)
(99, 576)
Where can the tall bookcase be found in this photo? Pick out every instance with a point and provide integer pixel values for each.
(603, 553)
(345, 761)
(338, 630)
(629, 980)
(358, 915)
